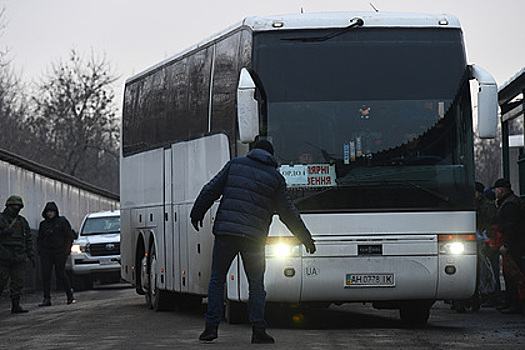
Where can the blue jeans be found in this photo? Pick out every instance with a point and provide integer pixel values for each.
(224, 251)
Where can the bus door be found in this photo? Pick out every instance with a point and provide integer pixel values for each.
(194, 163)
(170, 228)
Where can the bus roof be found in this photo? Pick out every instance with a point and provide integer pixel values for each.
(322, 21)
(343, 19)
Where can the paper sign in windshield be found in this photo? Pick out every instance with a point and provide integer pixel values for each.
(311, 175)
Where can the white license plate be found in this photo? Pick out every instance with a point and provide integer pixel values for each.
(105, 261)
(370, 280)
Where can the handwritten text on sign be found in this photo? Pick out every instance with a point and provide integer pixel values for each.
(312, 175)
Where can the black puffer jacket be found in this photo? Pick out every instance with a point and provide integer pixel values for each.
(252, 190)
(54, 235)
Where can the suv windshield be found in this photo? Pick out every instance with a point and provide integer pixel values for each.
(366, 120)
(98, 226)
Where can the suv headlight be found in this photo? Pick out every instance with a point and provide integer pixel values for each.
(76, 249)
(282, 247)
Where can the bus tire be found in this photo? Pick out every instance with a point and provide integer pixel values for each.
(140, 266)
(157, 299)
(236, 312)
(164, 301)
(415, 314)
(189, 302)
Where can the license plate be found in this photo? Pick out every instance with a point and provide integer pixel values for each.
(105, 261)
(370, 280)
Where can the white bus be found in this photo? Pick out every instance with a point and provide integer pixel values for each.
(370, 115)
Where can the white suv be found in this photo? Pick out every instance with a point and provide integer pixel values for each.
(95, 254)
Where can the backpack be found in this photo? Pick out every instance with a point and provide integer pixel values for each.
(74, 234)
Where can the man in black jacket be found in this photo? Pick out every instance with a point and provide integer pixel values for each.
(54, 245)
(507, 223)
(252, 190)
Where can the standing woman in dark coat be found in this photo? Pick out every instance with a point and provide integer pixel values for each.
(54, 245)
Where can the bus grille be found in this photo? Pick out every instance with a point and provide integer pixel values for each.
(104, 249)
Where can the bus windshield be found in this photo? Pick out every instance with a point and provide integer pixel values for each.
(365, 120)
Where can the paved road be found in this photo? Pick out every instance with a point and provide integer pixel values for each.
(114, 317)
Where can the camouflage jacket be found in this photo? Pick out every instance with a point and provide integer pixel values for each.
(17, 245)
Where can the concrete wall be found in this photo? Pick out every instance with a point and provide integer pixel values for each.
(37, 185)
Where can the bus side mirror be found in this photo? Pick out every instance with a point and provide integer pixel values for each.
(247, 108)
(487, 103)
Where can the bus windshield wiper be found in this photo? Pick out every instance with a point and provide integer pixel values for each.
(356, 22)
(408, 182)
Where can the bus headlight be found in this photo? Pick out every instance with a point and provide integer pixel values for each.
(454, 248)
(457, 244)
(282, 247)
(457, 247)
(75, 249)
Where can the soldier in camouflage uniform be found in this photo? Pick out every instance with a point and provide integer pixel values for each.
(16, 244)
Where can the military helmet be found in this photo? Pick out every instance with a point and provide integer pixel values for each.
(14, 200)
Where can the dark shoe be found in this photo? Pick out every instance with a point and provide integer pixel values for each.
(70, 298)
(210, 332)
(259, 336)
(45, 302)
(458, 306)
(16, 308)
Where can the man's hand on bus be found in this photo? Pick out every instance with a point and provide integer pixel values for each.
(196, 222)
(310, 247)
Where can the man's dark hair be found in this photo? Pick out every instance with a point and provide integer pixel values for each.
(265, 145)
(502, 183)
(480, 187)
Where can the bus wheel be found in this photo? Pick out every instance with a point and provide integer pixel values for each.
(236, 312)
(415, 314)
(189, 302)
(157, 299)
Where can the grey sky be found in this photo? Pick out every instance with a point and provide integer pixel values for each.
(136, 34)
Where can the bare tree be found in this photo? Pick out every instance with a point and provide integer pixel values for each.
(487, 155)
(75, 115)
(13, 103)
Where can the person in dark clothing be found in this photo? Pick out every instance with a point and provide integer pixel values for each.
(485, 213)
(490, 195)
(511, 245)
(252, 190)
(16, 244)
(54, 245)
(488, 259)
